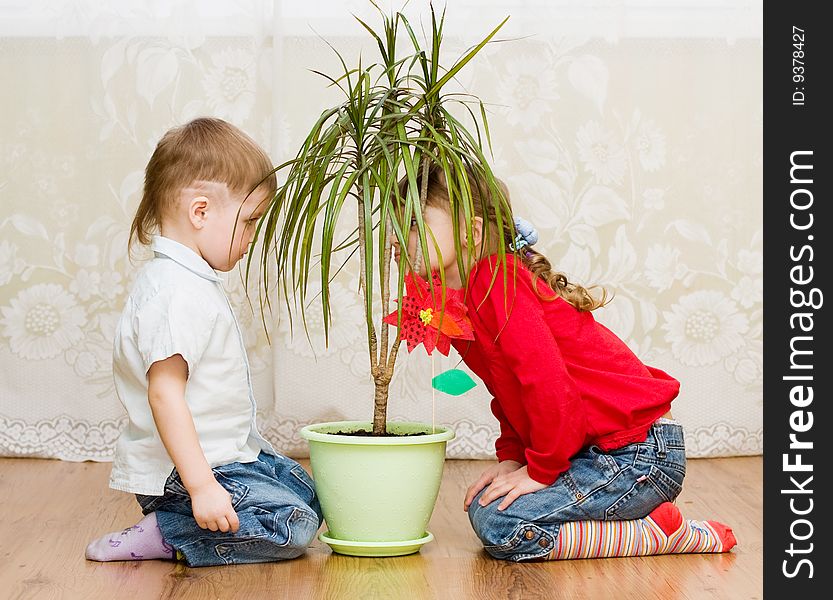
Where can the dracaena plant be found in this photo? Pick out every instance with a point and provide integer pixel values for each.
(394, 123)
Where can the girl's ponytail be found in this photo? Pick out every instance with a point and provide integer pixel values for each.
(537, 263)
(577, 295)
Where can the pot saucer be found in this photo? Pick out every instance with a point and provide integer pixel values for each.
(396, 548)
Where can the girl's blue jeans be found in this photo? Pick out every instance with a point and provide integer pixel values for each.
(276, 504)
(623, 484)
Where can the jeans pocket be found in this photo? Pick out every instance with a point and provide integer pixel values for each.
(605, 464)
(175, 486)
(648, 491)
(666, 486)
(236, 490)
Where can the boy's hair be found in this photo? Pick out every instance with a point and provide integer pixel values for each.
(537, 263)
(203, 149)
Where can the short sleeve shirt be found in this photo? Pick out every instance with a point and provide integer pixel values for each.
(178, 306)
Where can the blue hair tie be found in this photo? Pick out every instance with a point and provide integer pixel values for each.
(527, 234)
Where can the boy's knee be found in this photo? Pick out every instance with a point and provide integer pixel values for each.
(303, 524)
(491, 525)
(294, 530)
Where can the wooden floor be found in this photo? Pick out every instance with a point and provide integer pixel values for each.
(51, 509)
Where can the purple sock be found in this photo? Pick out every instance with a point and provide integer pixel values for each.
(143, 541)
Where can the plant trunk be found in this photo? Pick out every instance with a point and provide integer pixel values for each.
(380, 407)
(377, 366)
(382, 366)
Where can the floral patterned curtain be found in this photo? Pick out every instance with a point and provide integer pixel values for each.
(632, 141)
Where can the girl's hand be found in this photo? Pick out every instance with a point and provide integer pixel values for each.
(514, 484)
(211, 505)
(488, 476)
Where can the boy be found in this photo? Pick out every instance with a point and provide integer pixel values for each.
(212, 490)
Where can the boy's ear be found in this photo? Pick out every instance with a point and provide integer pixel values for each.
(197, 211)
(476, 232)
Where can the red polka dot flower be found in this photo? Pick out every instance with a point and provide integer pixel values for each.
(429, 321)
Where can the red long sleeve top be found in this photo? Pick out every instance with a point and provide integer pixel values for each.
(560, 381)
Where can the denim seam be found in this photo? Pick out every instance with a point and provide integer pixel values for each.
(239, 490)
(173, 486)
(296, 515)
(516, 539)
(240, 545)
(661, 463)
(301, 479)
(655, 476)
(611, 510)
(571, 484)
(238, 493)
(152, 505)
(644, 445)
(659, 490)
(589, 496)
(641, 457)
(612, 464)
(299, 514)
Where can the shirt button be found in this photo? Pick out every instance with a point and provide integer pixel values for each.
(529, 534)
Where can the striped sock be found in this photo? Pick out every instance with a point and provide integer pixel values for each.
(664, 531)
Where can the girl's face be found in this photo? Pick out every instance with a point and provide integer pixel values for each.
(439, 233)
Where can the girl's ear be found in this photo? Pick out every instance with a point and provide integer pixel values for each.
(197, 210)
(476, 232)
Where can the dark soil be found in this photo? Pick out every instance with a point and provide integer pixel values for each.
(365, 433)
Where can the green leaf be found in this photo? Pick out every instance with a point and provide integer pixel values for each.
(453, 382)
(340, 200)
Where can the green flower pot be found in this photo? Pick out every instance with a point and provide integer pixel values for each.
(377, 493)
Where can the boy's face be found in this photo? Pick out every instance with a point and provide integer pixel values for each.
(229, 226)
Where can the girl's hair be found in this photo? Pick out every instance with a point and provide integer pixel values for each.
(484, 201)
(203, 149)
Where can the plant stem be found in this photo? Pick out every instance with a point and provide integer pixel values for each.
(392, 358)
(383, 371)
(381, 379)
(423, 198)
(380, 408)
(371, 330)
(385, 283)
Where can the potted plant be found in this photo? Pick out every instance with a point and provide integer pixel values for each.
(377, 480)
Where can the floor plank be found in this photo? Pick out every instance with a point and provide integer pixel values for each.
(51, 509)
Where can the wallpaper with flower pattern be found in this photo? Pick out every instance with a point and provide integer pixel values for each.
(638, 159)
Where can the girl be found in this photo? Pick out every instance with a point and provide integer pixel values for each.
(590, 459)
(212, 489)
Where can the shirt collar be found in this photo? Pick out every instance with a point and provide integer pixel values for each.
(184, 256)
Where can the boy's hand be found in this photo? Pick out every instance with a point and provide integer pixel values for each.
(212, 508)
(512, 485)
(488, 476)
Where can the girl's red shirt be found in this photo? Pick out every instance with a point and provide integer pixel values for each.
(560, 381)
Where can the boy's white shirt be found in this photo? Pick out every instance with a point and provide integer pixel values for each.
(178, 306)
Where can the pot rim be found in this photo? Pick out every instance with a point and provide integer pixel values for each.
(312, 433)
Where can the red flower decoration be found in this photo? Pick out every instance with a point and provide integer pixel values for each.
(426, 320)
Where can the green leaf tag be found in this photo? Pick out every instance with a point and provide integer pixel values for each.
(453, 382)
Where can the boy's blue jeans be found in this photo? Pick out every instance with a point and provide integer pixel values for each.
(623, 484)
(275, 502)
